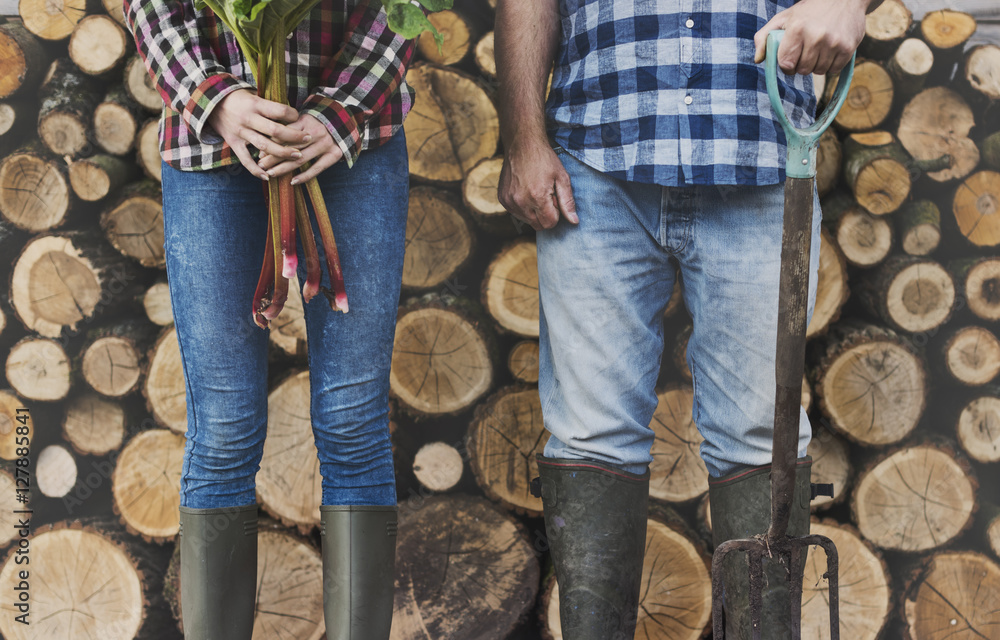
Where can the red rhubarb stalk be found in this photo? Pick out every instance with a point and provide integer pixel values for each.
(265, 285)
(309, 250)
(338, 297)
(280, 281)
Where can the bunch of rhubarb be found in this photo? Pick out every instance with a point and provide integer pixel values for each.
(261, 27)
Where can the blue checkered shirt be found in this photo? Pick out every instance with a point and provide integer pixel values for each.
(667, 92)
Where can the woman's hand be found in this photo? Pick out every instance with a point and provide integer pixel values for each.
(323, 152)
(243, 118)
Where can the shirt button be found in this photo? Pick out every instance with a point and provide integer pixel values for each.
(688, 99)
(689, 23)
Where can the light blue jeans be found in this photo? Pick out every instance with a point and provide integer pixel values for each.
(603, 287)
(215, 225)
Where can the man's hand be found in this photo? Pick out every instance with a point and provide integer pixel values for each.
(534, 186)
(243, 118)
(322, 151)
(820, 35)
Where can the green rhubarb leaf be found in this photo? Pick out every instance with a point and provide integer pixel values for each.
(409, 21)
(436, 5)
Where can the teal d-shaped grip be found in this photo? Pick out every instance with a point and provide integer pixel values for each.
(802, 143)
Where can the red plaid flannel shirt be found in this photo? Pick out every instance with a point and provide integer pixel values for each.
(345, 67)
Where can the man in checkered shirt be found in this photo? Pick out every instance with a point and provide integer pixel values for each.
(656, 155)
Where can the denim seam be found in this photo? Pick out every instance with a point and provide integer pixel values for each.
(192, 427)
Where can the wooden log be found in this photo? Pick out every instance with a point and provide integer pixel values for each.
(910, 66)
(675, 592)
(987, 527)
(976, 206)
(871, 384)
(17, 120)
(99, 45)
(23, 60)
(66, 112)
(438, 466)
(12, 492)
(156, 302)
(55, 471)
(116, 121)
(163, 387)
(147, 149)
(885, 27)
(38, 369)
(51, 19)
(869, 100)
(34, 189)
(947, 30)
(676, 301)
(110, 604)
(876, 169)
(14, 426)
(139, 85)
(458, 33)
(116, 10)
(909, 293)
(60, 280)
(915, 498)
(954, 595)
(831, 465)
(980, 80)
(978, 280)
(864, 240)
(510, 288)
(865, 588)
(679, 352)
(94, 425)
(829, 159)
(479, 193)
(96, 177)
(146, 484)
(831, 287)
(134, 225)
(990, 151)
(439, 238)
(936, 123)
(523, 361)
(288, 331)
(918, 225)
(442, 376)
(485, 56)
(485, 572)
(289, 488)
(111, 360)
(503, 438)
(971, 355)
(289, 585)
(452, 128)
(677, 473)
(978, 426)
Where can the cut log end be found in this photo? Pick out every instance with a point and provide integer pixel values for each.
(55, 471)
(915, 499)
(456, 33)
(972, 355)
(146, 484)
(439, 239)
(441, 361)
(982, 289)
(110, 365)
(935, 123)
(977, 208)
(94, 425)
(38, 369)
(504, 437)
(677, 473)
(98, 44)
(34, 191)
(945, 30)
(485, 56)
(438, 466)
(510, 289)
(948, 598)
(51, 19)
(978, 429)
(139, 85)
(147, 143)
(869, 100)
(523, 361)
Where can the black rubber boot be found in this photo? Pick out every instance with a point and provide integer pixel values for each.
(218, 549)
(595, 521)
(741, 508)
(359, 561)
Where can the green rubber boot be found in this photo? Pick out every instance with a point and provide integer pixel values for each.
(741, 508)
(595, 521)
(218, 549)
(359, 562)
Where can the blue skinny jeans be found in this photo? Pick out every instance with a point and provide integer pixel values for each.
(215, 225)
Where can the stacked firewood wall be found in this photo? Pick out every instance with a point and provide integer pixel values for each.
(902, 383)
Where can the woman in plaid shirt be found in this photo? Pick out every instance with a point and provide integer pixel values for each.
(348, 94)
